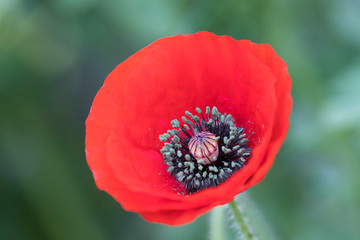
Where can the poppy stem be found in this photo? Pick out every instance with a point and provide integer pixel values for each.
(240, 221)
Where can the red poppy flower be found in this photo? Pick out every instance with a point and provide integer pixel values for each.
(159, 83)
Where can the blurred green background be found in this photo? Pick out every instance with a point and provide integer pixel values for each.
(55, 55)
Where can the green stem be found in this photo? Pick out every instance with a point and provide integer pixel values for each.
(240, 221)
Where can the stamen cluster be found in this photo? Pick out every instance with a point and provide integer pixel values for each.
(198, 174)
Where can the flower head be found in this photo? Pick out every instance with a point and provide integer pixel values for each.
(169, 181)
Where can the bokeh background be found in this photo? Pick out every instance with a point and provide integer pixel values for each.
(55, 55)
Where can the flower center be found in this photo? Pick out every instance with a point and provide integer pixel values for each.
(204, 151)
(204, 147)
